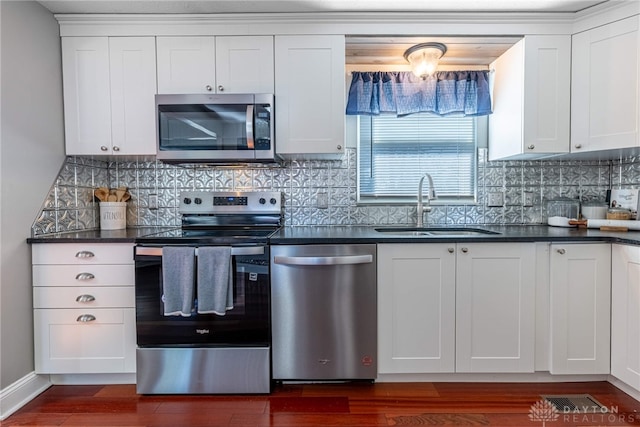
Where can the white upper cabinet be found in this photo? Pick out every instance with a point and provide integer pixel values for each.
(605, 87)
(186, 64)
(310, 95)
(109, 88)
(233, 64)
(531, 99)
(245, 64)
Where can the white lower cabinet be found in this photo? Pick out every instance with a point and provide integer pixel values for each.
(625, 314)
(84, 315)
(580, 299)
(495, 307)
(456, 307)
(416, 308)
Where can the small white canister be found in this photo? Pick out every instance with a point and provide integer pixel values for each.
(113, 215)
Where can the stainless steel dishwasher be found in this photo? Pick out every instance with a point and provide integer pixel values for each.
(323, 309)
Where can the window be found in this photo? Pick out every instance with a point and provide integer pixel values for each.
(395, 152)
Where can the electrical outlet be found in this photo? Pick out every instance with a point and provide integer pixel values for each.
(322, 201)
(527, 199)
(153, 201)
(495, 199)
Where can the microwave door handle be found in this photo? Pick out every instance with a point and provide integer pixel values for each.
(249, 122)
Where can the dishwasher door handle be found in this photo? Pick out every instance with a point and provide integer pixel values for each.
(323, 260)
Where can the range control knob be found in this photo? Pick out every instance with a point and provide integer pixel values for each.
(273, 201)
(262, 201)
(186, 201)
(197, 201)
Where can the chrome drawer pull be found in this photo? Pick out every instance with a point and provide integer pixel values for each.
(85, 298)
(85, 276)
(85, 254)
(85, 318)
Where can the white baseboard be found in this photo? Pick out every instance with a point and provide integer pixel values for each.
(21, 392)
(625, 387)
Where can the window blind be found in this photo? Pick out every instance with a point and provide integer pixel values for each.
(394, 152)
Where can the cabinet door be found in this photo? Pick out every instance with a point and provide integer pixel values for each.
(310, 94)
(625, 315)
(580, 285)
(495, 307)
(133, 87)
(416, 308)
(186, 64)
(605, 87)
(531, 99)
(547, 84)
(87, 99)
(244, 64)
(66, 344)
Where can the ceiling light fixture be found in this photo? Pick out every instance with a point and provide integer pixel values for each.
(424, 58)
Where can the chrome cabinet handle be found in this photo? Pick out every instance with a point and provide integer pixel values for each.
(464, 250)
(86, 318)
(85, 298)
(323, 260)
(85, 276)
(104, 148)
(531, 147)
(451, 250)
(116, 148)
(578, 146)
(221, 88)
(208, 88)
(339, 147)
(561, 251)
(85, 254)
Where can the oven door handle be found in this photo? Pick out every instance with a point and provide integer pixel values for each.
(235, 251)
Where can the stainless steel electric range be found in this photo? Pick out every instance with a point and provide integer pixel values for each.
(203, 296)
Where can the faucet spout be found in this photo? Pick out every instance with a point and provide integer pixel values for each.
(431, 194)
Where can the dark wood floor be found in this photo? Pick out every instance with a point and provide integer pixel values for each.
(316, 405)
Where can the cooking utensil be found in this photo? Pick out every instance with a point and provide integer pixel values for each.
(102, 193)
(120, 192)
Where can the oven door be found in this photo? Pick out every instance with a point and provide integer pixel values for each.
(247, 324)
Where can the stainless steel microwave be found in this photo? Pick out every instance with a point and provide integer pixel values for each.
(215, 128)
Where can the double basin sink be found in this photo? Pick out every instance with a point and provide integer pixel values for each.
(434, 231)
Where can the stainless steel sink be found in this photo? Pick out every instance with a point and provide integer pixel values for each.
(435, 231)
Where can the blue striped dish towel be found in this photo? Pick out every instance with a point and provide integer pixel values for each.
(178, 274)
(215, 280)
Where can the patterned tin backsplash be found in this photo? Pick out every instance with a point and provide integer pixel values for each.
(70, 206)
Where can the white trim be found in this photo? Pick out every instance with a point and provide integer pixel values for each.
(624, 387)
(22, 392)
(353, 23)
(92, 379)
(543, 377)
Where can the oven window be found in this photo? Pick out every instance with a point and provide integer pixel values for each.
(248, 323)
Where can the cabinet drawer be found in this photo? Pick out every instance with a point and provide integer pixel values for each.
(82, 253)
(65, 345)
(83, 275)
(84, 297)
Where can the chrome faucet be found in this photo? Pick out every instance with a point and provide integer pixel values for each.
(431, 195)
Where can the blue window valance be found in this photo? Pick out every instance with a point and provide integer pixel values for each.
(401, 92)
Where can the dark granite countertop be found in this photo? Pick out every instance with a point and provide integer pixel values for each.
(365, 234)
(129, 235)
(510, 233)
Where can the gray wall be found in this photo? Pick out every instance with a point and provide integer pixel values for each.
(31, 153)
